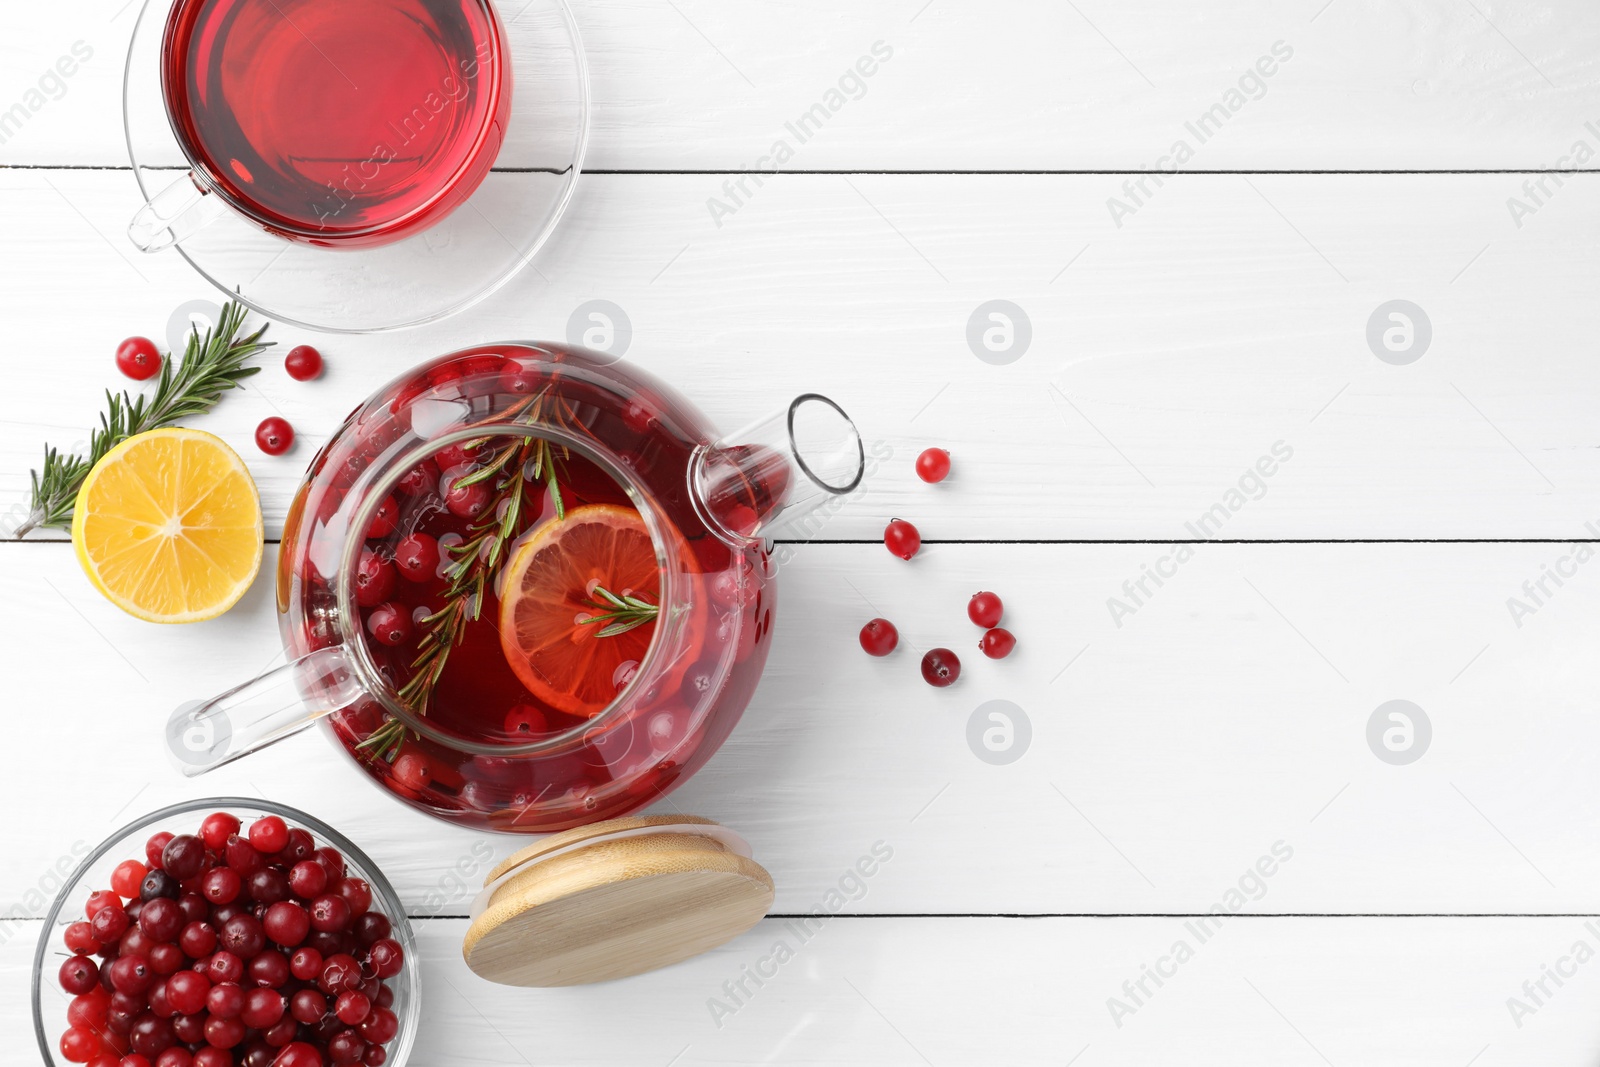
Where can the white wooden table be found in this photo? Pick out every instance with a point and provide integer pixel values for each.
(1208, 722)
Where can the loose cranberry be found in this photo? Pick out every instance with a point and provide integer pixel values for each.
(79, 974)
(155, 999)
(242, 936)
(286, 923)
(933, 465)
(352, 1007)
(274, 436)
(339, 973)
(126, 878)
(131, 974)
(269, 970)
(194, 907)
(139, 358)
(301, 846)
(308, 879)
(386, 957)
(303, 363)
(124, 1010)
(89, 1009)
(333, 860)
(159, 884)
(417, 557)
(198, 940)
(389, 624)
(298, 1054)
(259, 1053)
(267, 886)
(154, 847)
(357, 893)
(371, 927)
(997, 643)
(161, 919)
(384, 519)
(385, 997)
(902, 538)
(225, 1000)
(374, 579)
(151, 1035)
(109, 924)
(380, 1026)
(328, 944)
(183, 857)
(241, 856)
(133, 943)
(224, 1033)
(278, 1036)
(166, 958)
(211, 1057)
(330, 913)
(224, 966)
(189, 1028)
(985, 609)
(879, 637)
(102, 899)
(262, 1008)
(221, 885)
(80, 939)
(467, 501)
(346, 1047)
(308, 1006)
(268, 834)
(421, 479)
(305, 964)
(375, 1056)
(940, 667)
(79, 1043)
(217, 828)
(175, 1056)
(187, 991)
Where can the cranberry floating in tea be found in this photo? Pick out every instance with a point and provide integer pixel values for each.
(527, 586)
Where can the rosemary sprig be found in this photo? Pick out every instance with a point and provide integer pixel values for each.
(472, 563)
(210, 367)
(621, 613)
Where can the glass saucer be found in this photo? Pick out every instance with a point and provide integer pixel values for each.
(445, 269)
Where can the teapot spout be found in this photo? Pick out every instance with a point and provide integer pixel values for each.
(765, 480)
(204, 735)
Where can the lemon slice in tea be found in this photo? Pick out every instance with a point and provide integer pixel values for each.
(548, 611)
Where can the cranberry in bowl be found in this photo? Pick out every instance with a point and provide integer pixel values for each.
(226, 932)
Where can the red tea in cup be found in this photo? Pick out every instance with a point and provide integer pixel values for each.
(349, 123)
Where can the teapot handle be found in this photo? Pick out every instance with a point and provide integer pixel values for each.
(772, 477)
(204, 735)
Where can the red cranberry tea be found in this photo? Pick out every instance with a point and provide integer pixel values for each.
(509, 589)
(357, 122)
(511, 592)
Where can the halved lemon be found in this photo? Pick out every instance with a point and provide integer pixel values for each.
(168, 526)
(548, 598)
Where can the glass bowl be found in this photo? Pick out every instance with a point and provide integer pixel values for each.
(94, 873)
(450, 266)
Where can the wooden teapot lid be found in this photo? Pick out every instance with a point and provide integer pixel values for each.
(614, 899)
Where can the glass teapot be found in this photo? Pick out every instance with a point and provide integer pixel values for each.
(527, 587)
